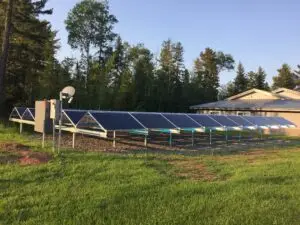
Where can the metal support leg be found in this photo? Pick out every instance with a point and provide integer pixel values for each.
(21, 128)
(145, 141)
(170, 140)
(210, 138)
(240, 136)
(53, 135)
(43, 141)
(226, 136)
(73, 142)
(114, 140)
(193, 138)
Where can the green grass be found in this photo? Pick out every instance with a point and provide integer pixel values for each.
(101, 188)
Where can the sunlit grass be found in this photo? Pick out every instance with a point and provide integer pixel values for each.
(261, 187)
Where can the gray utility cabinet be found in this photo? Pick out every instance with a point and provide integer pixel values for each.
(43, 123)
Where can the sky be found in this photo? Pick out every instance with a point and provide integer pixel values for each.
(255, 32)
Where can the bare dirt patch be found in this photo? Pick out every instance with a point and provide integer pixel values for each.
(193, 170)
(22, 154)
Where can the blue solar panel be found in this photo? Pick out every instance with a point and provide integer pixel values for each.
(116, 121)
(283, 121)
(181, 120)
(204, 120)
(153, 121)
(241, 121)
(257, 120)
(21, 110)
(27, 115)
(226, 122)
(32, 110)
(75, 115)
(272, 121)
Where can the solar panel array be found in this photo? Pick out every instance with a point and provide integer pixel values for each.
(127, 121)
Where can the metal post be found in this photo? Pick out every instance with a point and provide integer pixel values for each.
(192, 138)
(210, 141)
(60, 121)
(73, 142)
(114, 139)
(145, 141)
(170, 140)
(43, 140)
(240, 136)
(21, 128)
(226, 135)
(53, 135)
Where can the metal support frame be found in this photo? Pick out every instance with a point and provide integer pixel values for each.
(145, 141)
(114, 139)
(240, 136)
(21, 128)
(170, 139)
(226, 135)
(43, 140)
(193, 138)
(73, 140)
(210, 136)
(53, 135)
(60, 121)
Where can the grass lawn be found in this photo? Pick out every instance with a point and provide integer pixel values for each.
(260, 187)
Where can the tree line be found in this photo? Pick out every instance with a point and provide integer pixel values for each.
(110, 72)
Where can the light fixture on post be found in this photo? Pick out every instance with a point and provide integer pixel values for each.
(66, 93)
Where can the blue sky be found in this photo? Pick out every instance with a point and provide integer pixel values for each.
(255, 32)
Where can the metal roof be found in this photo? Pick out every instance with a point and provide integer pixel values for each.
(253, 104)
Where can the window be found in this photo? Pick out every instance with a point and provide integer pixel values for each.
(215, 113)
(243, 113)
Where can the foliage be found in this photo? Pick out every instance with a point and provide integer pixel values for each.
(241, 80)
(110, 73)
(285, 78)
(207, 69)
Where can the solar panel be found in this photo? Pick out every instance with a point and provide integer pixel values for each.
(223, 120)
(75, 115)
(283, 121)
(21, 110)
(153, 120)
(257, 120)
(116, 120)
(27, 115)
(241, 121)
(272, 121)
(32, 110)
(204, 120)
(182, 120)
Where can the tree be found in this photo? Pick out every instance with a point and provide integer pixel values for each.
(30, 53)
(90, 25)
(4, 47)
(208, 67)
(258, 79)
(169, 76)
(284, 78)
(241, 80)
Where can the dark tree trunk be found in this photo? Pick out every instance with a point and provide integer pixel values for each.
(4, 49)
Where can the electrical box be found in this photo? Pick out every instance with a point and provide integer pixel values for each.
(55, 109)
(43, 123)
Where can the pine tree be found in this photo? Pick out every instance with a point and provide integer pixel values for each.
(241, 80)
(4, 47)
(284, 78)
(32, 49)
(208, 67)
(258, 79)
